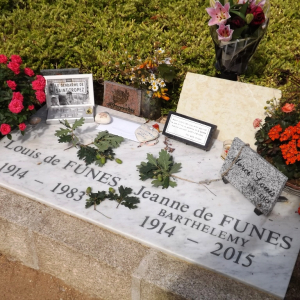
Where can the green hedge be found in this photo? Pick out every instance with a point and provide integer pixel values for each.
(93, 35)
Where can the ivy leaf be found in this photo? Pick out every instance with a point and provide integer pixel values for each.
(156, 183)
(88, 154)
(61, 132)
(105, 140)
(130, 202)
(65, 139)
(172, 183)
(164, 159)
(151, 159)
(78, 123)
(159, 169)
(175, 168)
(95, 199)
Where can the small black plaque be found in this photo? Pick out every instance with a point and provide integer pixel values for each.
(189, 130)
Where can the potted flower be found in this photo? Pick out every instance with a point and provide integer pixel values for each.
(151, 75)
(19, 92)
(236, 27)
(278, 138)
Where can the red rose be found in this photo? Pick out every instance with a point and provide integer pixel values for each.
(11, 84)
(236, 22)
(3, 59)
(17, 96)
(16, 59)
(258, 15)
(39, 83)
(15, 67)
(5, 129)
(30, 107)
(28, 72)
(22, 126)
(40, 96)
(287, 108)
(15, 106)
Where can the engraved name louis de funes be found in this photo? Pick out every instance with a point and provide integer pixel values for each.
(68, 91)
(253, 176)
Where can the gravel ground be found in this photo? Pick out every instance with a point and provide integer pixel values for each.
(18, 282)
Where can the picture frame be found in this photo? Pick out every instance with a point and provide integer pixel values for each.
(69, 97)
(189, 130)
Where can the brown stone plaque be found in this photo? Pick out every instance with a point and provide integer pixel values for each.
(122, 97)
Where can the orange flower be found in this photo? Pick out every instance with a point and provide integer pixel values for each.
(165, 97)
(274, 132)
(288, 107)
(287, 133)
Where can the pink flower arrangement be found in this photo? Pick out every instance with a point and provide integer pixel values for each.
(11, 84)
(236, 19)
(15, 106)
(5, 129)
(23, 92)
(287, 108)
(28, 72)
(22, 126)
(256, 123)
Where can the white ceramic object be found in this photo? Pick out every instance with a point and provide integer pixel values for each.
(146, 133)
(103, 118)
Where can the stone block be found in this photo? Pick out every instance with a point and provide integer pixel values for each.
(232, 106)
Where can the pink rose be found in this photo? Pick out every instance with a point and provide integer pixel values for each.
(16, 59)
(15, 106)
(17, 96)
(5, 129)
(256, 123)
(30, 107)
(40, 96)
(39, 83)
(15, 67)
(288, 107)
(28, 72)
(3, 59)
(22, 126)
(11, 84)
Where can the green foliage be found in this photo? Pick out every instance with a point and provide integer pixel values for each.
(102, 144)
(122, 198)
(160, 169)
(94, 34)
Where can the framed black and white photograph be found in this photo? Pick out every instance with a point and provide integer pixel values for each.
(69, 97)
(189, 130)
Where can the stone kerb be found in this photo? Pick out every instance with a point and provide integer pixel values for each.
(101, 263)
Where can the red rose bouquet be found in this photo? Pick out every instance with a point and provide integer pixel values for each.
(19, 91)
(236, 27)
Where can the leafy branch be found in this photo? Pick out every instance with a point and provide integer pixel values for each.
(101, 148)
(122, 198)
(159, 169)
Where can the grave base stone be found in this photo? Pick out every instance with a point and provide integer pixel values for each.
(191, 242)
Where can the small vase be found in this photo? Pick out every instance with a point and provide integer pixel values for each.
(150, 107)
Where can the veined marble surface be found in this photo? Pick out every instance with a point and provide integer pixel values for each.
(213, 225)
(231, 105)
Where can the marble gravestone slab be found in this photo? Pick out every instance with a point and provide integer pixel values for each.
(212, 226)
(253, 176)
(232, 106)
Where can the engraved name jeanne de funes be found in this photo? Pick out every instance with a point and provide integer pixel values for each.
(229, 235)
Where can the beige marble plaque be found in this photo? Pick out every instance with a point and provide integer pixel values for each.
(230, 105)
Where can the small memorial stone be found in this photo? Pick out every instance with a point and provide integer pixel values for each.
(34, 120)
(103, 118)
